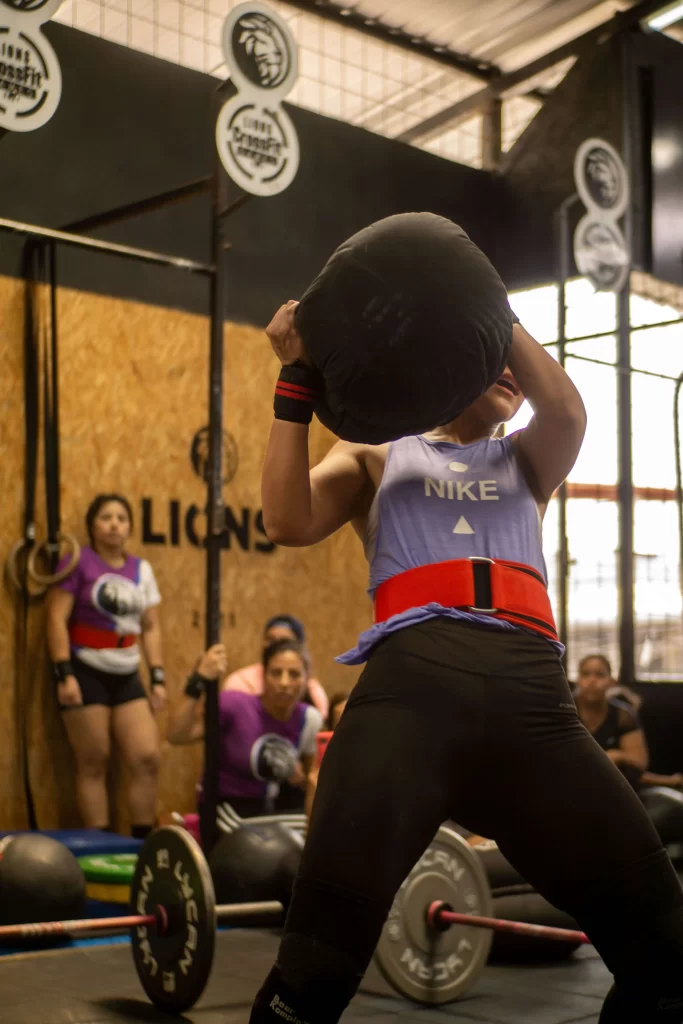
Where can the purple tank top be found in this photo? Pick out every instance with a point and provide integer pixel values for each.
(439, 501)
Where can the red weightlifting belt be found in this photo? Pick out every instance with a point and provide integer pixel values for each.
(510, 591)
(99, 639)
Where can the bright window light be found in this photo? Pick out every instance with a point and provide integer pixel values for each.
(669, 16)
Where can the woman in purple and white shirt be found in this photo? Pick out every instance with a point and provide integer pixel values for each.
(97, 620)
(268, 741)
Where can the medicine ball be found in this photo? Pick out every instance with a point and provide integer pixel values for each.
(665, 808)
(408, 323)
(40, 880)
(256, 862)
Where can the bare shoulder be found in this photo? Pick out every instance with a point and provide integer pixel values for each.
(368, 457)
(528, 471)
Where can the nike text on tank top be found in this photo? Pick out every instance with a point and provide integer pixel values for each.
(439, 501)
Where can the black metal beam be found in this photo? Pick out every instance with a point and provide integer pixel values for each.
(502, 83)
(157, 202)
(482, 70)
(625, 496)
(492, 135)
(112, 248)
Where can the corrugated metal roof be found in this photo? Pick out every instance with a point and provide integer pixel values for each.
(507, 33)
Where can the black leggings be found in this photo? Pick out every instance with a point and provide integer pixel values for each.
(451, 720)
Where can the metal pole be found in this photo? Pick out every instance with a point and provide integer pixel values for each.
(624, 414)
(215, 510)
(562, 236)
(140, 206)
(679, 478)
(113, 248)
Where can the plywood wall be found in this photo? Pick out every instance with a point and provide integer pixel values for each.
(133, 396)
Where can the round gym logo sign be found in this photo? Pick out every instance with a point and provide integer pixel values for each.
(46, 7)
(30, 76)
(256, 140)
(601, 252)
(260, 51)
(258, 146)
(601, 178)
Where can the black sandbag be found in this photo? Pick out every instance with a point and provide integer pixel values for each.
(527, 905)
(665, 808)
(499, 871)
(408, 323)
(40, 880)
(255, 863)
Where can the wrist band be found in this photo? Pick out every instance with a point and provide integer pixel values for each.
(196, 685)
(157, 675)
(296, 392)
(62, 669)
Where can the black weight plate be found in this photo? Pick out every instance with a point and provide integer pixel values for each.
(171, 872)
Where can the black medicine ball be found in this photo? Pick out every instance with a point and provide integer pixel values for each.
(40, 880)
(256, 862)
(408, 323)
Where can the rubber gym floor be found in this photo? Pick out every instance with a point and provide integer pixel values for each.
(97, 984)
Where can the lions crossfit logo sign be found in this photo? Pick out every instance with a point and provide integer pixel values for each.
(255, 138)
(600, 249)
(258, 146)
(601, 253)
(30, 76)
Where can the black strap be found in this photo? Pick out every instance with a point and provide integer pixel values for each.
(23, 673)
(51, 417)
(30, 396)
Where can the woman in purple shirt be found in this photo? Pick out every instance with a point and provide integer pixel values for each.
(98, 618)
(268, 741)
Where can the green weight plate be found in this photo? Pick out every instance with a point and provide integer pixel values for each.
(109, 868)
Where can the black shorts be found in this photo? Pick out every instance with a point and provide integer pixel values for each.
(107, 688)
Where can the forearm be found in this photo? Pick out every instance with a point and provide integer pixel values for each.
(548, 389)
(626, 757)
(311, 786)
(286, 484)
(152, 646)
(58, 643)
(187, 724)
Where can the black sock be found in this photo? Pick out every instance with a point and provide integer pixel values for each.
(141, 831)
(277, 1003)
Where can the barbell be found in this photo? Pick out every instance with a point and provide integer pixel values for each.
(433, 947)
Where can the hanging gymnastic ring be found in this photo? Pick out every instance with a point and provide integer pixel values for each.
(49, 579)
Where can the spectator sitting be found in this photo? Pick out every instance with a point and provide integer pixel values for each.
(614, 724)
(250, 678)
(268, 741)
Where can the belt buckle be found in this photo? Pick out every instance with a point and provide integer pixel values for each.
(471, 607)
